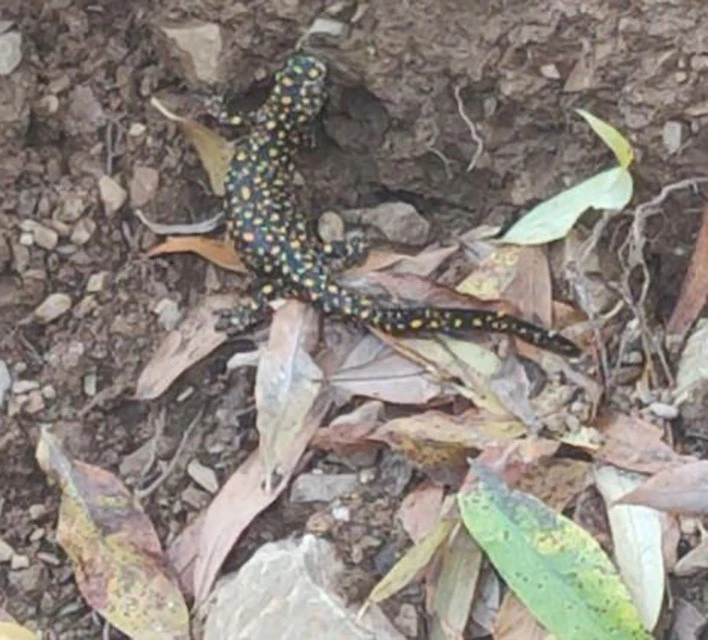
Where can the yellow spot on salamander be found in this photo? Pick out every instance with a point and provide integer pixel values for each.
(457, 323)
(241, 156)
(477, 322)
(417, 323)
(270, 125)
(286, 101)
(267, 289)
(246, 192)
(248, 236)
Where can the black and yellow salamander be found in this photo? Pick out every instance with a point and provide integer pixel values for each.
(287, 260)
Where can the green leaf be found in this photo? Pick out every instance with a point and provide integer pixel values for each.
(552, 219)
(553, 566)
(611, 137)
(418, 557)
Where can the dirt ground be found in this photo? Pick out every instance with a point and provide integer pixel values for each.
(77, 108)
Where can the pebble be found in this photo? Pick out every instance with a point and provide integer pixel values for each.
(54, 306)
(143, 185)
(24, 386)
(26, 239)
(6, 552)
(398, 221)
(96, 282)
(35, 402)
(48, 558)
(19, 561)
(5, 381)
(90, 384)
(112, 194)
(168, 313)
(72, 208)
(49, 392)
(136, 129)
(203, 476)
(195, 498)
(664, 410)
(200, 45)
(671, 136)
(37, 511)
(317, 487)
(550, 71)
(83, 231)
(10, 52)
(42, 236)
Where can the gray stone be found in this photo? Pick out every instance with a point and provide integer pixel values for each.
(10, 52)
(318, 487)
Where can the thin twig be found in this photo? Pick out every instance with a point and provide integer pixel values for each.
(473, 129)
(141, 494)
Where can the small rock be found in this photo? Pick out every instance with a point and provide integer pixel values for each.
(6, 552)
(203, 476)
(38, 534)
(28, 582)
(112, 194)
(136, 129)
(24, 386)
(86, 114)
(90, 384)
(49, 392)
(168, 313)
(48, 558)
(199, 46)
(550, 71)
(671, 136)
(195, 498)
(664, 410)
(143, 185)
(5, 382)
(10, 52)
(26, 239)
(19, 561)
(37, 511)
(83, 231)
(367, 476)
(317, 487)
(41, 236)
(96, 282)
(407, 620)
(35, 402)
(47, 105)
(54, 306)
(72, 208)
(398, 221)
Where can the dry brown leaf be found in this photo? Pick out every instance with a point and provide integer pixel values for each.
(440, 443)
(348, 433)
(515, 622)
(194, 339)
(374, 370)
(694, 290)
(219, 252)
(287, 382)
(214, 151)
(556, 481)
(115, 552)
(680, 490)
(519, 274)
(420, 510)
(634, 444)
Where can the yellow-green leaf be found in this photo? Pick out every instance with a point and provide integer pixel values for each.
(13, 631)
(417, 558)
(553, 219)
(611, 137)
(552, 565)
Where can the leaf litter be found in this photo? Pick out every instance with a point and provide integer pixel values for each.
(294, 394)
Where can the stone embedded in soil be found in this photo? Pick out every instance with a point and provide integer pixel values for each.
(5, 381)
(83, 231)
(72, 208)
(86, 114)
(112, 194)
(302, 578)
(6, 552)
(318, 487)
(35, 402)
(42, 236)
(398, 221)
(671, 136)
(97, 282)
(168, 313)
(10, 52)
(143, 185)
(54, 306)
(198, 47)
(203, 476)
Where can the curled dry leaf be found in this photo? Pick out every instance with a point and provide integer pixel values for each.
(682, 490)
(636, 537)
(420, 510)
(287, 382)
(116, 555)
(636, 445)
(214, 151)
(515, 622)
(219, 252)
(194, 339)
